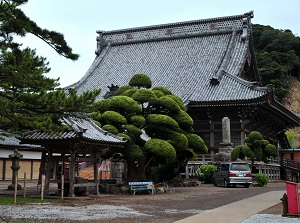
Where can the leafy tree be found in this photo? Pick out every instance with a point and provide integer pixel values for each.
(28, 99)
(256, 148)
(13, 21)
(291, 134)
(278, 57)
(159, 131)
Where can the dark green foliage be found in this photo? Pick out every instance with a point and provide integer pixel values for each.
(134, 151)
(102, 105)
(164, 150)
(165, 90)
(125, 136)
(261, 179)
(278, 57)
(124, 104)
(122, 89)
(166, 102)
(205, 173)
(178, 101)
(15, 22)
(242, 151)
(189, 153)
(196, 143)
(138, 120)
(129, 92)
(183, 119)
(254, 136)
(111, 129)
(162, 120)
(140, 81)
(255, 148)
(29, 100)
(95, 116)
(113, 117)
(178, 140)
(158, 93)
(132, 130)
(144, 95)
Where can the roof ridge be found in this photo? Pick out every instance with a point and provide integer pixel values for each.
(92, 68)
(251, 84)
(173, 29)
(103, 131)
(214, 19)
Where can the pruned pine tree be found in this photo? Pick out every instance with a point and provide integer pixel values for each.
(30, 100)
(159, 132)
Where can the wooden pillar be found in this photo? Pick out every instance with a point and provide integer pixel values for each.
(48, 171)
(96, 168)
(31, 170)
(72, 173)
(42, 166)
(4, 169)
(212, 134)
(242, 131)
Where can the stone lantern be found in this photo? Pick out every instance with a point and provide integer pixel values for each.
(15, 167)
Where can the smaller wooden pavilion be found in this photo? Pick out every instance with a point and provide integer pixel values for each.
(82, 141)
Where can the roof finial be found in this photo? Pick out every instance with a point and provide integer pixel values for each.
(100, 42)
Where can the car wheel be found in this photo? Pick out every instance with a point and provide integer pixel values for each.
(247, 185)
(225, 183)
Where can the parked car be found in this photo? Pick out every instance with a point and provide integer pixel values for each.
(232, 173)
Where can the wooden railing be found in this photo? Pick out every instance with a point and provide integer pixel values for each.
(291, 164)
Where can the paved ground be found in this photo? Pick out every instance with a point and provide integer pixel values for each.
(167, 207)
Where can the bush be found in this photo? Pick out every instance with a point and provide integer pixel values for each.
(205, 173)
(261, 179)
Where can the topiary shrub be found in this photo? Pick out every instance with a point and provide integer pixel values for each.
(162, 149)
(162, 120)
(168, 103)
(205, 173)
(262, 179)
(140, 80)
(165, 90)
(114, 117)
(111, 129)
(144, 95)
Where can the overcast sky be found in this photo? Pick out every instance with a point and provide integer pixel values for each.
(79, 21)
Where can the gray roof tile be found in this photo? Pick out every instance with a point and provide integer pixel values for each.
(180, 56)
(79, 129)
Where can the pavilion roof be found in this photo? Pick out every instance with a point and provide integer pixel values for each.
(80, 129)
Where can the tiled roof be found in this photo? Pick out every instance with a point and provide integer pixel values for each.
(198, 60)
(7, 141)
(84, 129)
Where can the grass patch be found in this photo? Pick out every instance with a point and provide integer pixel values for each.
(21, 200)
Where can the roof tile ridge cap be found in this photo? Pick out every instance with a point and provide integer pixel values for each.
(221, 70)
(224, 18)
(24, 134)
(103, 131)
(92, 68)
(250, 84)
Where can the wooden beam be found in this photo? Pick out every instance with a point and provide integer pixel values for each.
(72, 173)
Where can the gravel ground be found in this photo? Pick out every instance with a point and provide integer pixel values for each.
(167, 207)
(272, 218)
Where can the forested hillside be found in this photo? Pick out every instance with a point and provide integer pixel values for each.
(278, 57)
(278, 60)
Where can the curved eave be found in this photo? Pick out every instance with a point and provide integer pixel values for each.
(198, 104)
(54, 140)
(286, 114)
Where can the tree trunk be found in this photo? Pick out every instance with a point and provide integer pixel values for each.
(136, 171)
